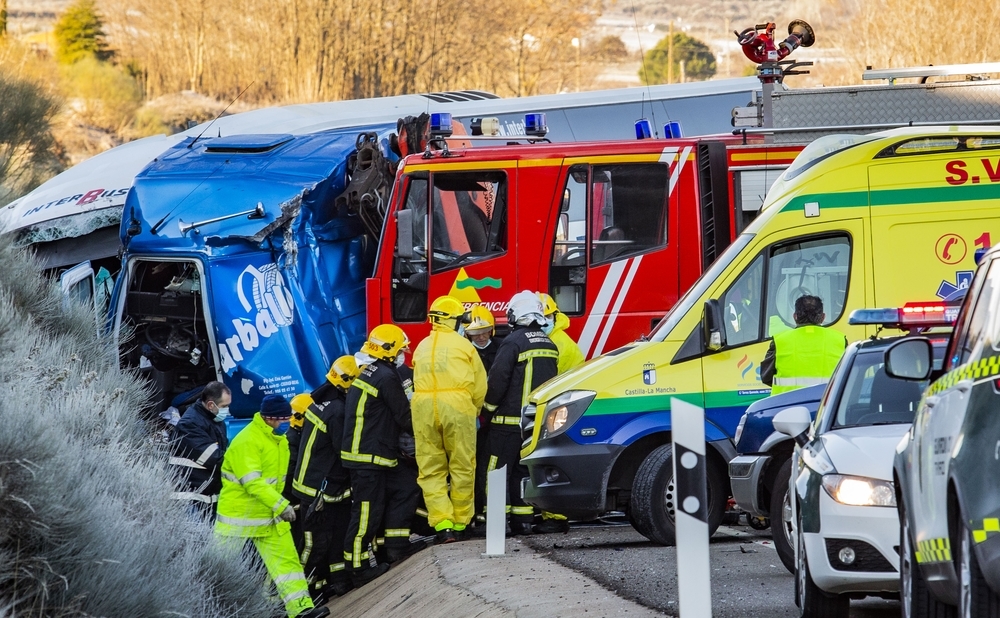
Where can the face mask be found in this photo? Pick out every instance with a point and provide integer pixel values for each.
(461, 329)
(222, 415)
(548, 327)
(282, 429)
(400, 360)
(483, 346)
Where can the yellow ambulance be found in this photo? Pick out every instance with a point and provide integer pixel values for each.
(859, 220)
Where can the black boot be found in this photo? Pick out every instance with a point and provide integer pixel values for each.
(316, 612)
(520, 529)
(338, 586)
(362, 577)
(445, 536)
(552, 526)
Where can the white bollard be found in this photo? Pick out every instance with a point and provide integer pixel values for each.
(694, 585)
(496, 511)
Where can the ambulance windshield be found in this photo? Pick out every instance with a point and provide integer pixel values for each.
(821, 149)
(687, 301)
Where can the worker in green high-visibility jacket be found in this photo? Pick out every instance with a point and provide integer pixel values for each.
(805, 355)
(251, 505)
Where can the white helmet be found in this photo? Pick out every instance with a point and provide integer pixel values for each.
(525, 308)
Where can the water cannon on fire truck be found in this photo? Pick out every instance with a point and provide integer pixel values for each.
(761, 47)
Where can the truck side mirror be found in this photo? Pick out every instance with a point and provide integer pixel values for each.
(793, 422)
(910, 359)
(711, 322)
(404, 234)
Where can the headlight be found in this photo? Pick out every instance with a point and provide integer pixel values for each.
(739, 429)
(860, 491)
(564, 410)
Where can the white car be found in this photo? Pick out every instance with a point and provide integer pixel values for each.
(845, 523)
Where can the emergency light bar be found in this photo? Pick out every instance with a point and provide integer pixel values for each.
(672, 130)
(534, 125)
(440, 125)
(909, 316)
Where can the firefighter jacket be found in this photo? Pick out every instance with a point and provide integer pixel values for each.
(294, 437)
(375, 413)
(448, 375)
(319, 466)
(525, 359)
(200, 444)
(803, 356)
(253, 475)
(570, 354)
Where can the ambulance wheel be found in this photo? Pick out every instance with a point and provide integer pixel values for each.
(781, 516)
(653, 497)
(976, 599)
(915, 599)
(813, 602)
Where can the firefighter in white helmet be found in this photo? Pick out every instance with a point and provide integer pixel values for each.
(525, 359)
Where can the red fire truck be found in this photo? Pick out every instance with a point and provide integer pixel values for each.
(616, 231)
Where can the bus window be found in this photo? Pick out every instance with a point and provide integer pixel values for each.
(629, 208)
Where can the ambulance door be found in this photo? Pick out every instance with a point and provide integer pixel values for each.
(935, 203)
(460, 240)
(630, 255)
(822, 260)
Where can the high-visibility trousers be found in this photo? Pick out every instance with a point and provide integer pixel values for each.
(505, 450)
(282, 563)
(446, 450)
(402, 499)
(367, 512)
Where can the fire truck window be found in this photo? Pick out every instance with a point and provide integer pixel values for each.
(741, 306)
(409, 281)
(571, 229)
(629, 210)
(817, 267)
(469, 222)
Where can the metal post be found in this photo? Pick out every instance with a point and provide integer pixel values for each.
(496, 517)
(691, 512)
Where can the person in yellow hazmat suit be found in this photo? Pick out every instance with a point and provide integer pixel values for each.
(251, 505)
(480, 332)
(570, 356)
(449, 386)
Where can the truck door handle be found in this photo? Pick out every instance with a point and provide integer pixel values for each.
(964, 386)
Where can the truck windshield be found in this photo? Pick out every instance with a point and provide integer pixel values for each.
(821, 149)
(871, 397)
(687, 301)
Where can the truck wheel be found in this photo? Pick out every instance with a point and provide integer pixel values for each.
(781, 516)
(976, 599)
(813, 602)
(915, 599)
(652, 504)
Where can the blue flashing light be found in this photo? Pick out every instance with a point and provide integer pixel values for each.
(873, 316)
(672, 130)
(440, 124)
(643, 130)
(980, 252)
(534, 125)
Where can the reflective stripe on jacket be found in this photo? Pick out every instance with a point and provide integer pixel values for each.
(319, 454)
(375, 413)
(253, 476)
(525, 360)
(805, 356)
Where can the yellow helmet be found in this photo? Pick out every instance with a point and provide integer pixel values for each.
(481, 319)
(444, 309)
(342, 372)
(300, 403)
(549, 305)
(385, 342)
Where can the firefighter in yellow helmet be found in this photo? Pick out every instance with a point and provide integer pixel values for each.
(376, 412)
(323, 485)
(299, 404)
(479, 331)
(449, 384)
(569, 352)
(251, 505)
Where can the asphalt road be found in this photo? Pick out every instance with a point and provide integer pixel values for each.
(748, 580)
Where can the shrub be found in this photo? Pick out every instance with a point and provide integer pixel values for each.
(26, 141)
(87, 524)
(79, 34)
(105, 96)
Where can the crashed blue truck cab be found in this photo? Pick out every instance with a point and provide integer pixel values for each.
(241, 264)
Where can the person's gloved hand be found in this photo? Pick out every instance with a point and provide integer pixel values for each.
(288, 514)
